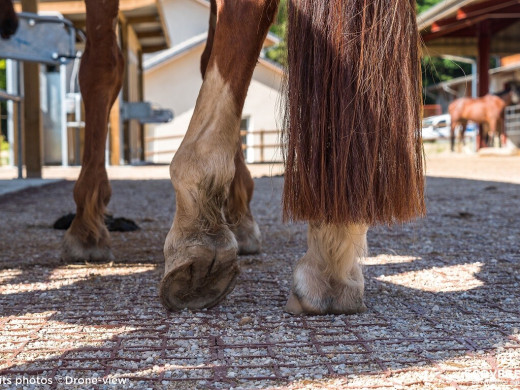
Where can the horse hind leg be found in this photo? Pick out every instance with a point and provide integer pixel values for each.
(201, 250)
(329, 279)
(100, 79)
(462, 132)
(452, 135)
(492, 132)
(348, 169)
(502, 133)
(237, 209)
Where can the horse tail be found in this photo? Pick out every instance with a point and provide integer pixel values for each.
(353, 152)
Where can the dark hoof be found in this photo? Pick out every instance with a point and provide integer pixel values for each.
(198, 283)
(200, 271)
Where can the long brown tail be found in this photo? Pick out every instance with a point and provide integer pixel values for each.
(352, 133)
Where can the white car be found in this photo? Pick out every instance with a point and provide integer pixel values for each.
(435, 127)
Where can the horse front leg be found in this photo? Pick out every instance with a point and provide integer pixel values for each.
(237, 206)
(201, 250)
(100, 79)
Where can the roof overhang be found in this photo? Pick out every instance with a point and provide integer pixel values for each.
(144, 16)
(452, 26)
(178, 51)
(509, 69)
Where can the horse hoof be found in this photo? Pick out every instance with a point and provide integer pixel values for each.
(199, 274)
(317, 291)
(298, 305)
(75, 251)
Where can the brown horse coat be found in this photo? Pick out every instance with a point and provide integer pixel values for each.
(487, 109)
(352, 139)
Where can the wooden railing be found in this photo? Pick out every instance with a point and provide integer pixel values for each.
(243, 133)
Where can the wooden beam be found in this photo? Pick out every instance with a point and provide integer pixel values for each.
(471, 11)
(78, 7)
(441, 31)
(154, 48)
(143, 19)
(32, 110)
(151, 33)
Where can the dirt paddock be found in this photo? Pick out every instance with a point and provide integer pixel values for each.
(442, 293)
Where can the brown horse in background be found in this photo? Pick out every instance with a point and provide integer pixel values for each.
(488, 110)
(352, 145)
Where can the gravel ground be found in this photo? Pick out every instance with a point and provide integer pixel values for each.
(442, 296)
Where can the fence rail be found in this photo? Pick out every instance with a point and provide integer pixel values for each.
(512, 123)
(261, 145)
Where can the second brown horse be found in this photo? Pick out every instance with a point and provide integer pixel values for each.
(488, 109)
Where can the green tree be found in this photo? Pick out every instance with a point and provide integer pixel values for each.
(423, 5)
(434, 69)
(278, 52)
(2, 75)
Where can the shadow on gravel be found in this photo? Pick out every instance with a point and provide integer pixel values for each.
(440, 289)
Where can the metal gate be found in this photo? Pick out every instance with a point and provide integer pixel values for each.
(512, 123)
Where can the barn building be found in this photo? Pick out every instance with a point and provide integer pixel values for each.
(172, 80)
(473, 28)
(53, 119)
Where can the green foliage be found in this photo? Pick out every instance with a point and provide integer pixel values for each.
(4, 145)
(423, 5)
(278, 52)
(280, 24)
(2, 75)
(434, 70)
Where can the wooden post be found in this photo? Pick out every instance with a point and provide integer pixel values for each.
(141, 98)
(115, 138)
(262, 146)
(484, 44)
(114, 119)
(127, 155)
(32, 111)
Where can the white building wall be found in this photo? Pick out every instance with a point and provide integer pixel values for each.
(185, 19)
(175, 85)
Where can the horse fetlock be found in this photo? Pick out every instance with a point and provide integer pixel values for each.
(77, 246)
(200, 269)
(87, 239)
